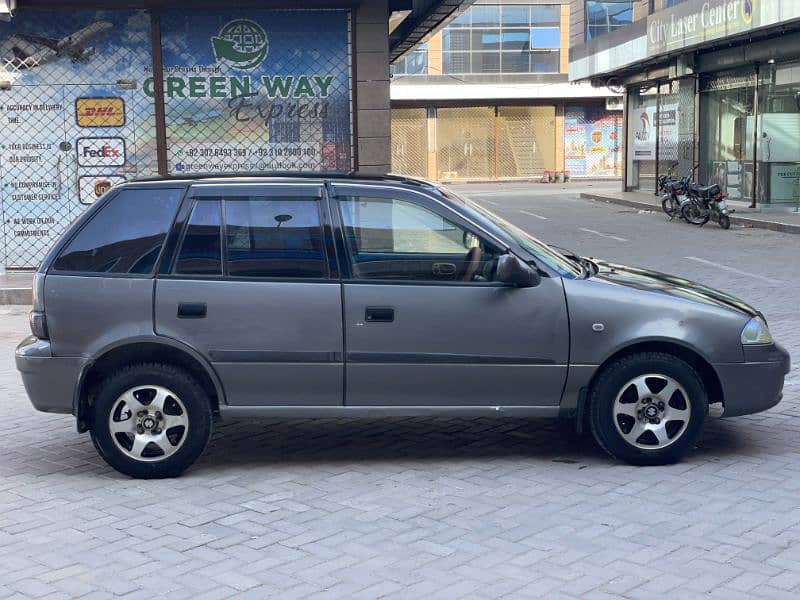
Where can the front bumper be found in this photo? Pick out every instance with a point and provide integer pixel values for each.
(757, 384)
(49, 380)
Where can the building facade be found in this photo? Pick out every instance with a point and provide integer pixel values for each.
(488, 97)
(708, 83)
(95, 93)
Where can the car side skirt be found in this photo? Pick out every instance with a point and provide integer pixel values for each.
(335, 412)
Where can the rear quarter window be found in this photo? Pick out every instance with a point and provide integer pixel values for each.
(125, 235)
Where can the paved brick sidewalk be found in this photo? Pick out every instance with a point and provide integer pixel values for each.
(403, 508)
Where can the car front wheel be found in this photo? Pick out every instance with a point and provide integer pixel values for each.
(648, 408)
(151, 421)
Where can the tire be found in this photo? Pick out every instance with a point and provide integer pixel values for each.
(691, 214)
(158, 410)
(725, 221)
(681, 418)
(669, 207)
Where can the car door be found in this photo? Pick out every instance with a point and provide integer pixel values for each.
(426, 324)
(254, 287)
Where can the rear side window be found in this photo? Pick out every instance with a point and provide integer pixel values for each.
(201, 249)
(274, 237)
(125, 236)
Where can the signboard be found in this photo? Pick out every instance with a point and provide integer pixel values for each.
(66, 121)
(245, 90)
(257, 90)
(700, 21)
(646, 123)
(592, 142)
(100, 112)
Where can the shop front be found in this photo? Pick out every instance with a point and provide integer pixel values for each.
(507, 141)
(713, 88)
(242, 90)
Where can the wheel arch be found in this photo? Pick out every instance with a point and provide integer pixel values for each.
(135, 350)
(686, 353)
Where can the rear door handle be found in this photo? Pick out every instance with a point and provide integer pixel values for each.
(377, 314)
(192, 310)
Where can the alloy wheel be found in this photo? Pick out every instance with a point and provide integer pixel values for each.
(652, 411)
(148, 423)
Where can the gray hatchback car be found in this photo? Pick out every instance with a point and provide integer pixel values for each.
(171, 302)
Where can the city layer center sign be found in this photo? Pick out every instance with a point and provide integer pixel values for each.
(698, 21)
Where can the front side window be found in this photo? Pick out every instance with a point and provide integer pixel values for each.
(274, 237)
(395, 239)
(125, 236)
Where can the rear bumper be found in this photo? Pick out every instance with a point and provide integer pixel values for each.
(49, 380)
(755, 385)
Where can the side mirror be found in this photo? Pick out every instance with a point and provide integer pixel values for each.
(512, 271)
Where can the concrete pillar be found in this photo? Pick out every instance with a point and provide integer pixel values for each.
(372, 113)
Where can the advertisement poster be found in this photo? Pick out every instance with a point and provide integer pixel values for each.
(257, 90)
(74, 119)
(245, 90)
(646, 123)
(592, 142)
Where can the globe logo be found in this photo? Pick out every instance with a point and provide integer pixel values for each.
(242, 43)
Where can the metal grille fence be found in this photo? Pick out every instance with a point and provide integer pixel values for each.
(676, 126)
(78, 96)
(465, 139)
(526, 140)
(410, 141)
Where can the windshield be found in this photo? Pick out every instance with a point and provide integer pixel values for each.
(550, 257)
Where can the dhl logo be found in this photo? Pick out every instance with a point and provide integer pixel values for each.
(100, 112)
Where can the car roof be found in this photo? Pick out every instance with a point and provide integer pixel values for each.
(281, 176)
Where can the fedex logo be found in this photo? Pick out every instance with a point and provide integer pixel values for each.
(101, 152)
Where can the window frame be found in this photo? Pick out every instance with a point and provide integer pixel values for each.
(48, 264)
(348, 190)
(237, 193)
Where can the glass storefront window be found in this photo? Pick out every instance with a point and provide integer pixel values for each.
(605, 16)
(778, 148)
(727, 118)
(641, 168)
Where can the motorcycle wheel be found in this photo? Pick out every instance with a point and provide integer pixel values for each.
(725, 221)
(691, 212)
(669, 207)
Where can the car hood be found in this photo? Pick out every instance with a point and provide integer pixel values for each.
(670, 285)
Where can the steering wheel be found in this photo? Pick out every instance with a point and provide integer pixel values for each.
(473, 261)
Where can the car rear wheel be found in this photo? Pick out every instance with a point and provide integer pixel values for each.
(151, 421)
(648, 408)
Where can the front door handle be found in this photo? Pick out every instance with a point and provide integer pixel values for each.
(377, 314)
(192, 310)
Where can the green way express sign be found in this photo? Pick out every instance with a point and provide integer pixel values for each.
(243, 44)
(290, 86)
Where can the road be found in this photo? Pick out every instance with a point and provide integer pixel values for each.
(445, 508)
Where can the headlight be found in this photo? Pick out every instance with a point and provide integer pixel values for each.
(756, 332)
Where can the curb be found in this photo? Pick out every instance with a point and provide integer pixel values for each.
(735, 220)
(22, 296)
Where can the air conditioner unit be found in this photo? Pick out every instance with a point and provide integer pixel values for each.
(7, 9)
(614, 104)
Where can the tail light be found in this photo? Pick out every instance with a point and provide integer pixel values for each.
(37, 317)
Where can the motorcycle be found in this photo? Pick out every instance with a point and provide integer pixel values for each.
(707, 203)
(675, 192)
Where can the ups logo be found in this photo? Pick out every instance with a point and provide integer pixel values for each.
(100, 112)
(101, 186)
